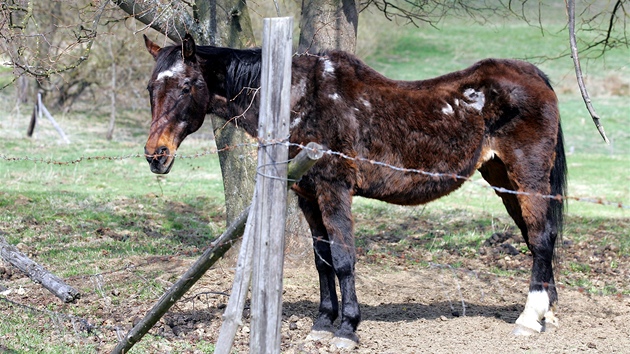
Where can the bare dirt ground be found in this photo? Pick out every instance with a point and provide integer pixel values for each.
(407, 307)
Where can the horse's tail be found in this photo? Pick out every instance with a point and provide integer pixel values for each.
(558, 178)
(558, 181)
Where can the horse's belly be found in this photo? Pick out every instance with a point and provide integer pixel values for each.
(409, 188)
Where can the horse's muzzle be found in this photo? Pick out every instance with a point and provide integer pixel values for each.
(160, 161)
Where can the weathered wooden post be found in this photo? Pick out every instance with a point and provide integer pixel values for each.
(273, 125)
(233, 315)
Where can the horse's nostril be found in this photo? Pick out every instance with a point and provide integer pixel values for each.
(160, 155)
(162, 151)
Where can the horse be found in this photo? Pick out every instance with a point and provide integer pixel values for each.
(498, 116)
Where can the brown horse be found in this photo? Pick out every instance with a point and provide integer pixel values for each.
(498, 116)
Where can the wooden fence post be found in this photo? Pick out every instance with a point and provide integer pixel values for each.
(37, 113)
(233, 315)
(273, 125)
(297, 167)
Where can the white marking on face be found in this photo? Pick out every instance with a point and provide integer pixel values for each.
(334, 96)
(477, 97)
(456, 102)
(536, 307)
(448, 109)
(176, 69)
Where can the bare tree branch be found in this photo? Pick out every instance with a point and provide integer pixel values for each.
(578, 70)
(170, 18)
(82, 35)
(433, 11)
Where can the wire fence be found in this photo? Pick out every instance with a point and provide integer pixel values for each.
(449, 280)
(445, 175)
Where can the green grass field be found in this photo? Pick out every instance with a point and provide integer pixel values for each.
(99, 214)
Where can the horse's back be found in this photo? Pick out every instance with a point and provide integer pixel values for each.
(446, 125)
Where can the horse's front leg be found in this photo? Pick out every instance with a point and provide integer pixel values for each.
(335, 203)
(328, 304)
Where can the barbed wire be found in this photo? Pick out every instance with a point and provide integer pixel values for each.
(265, 143)
(455, 176)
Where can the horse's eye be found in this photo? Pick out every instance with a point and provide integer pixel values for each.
(185, 90)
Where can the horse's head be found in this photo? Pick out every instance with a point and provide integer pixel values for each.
(179, 101)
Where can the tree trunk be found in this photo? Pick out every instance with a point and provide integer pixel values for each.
(112, 96)
(227, 24)
(328, 24)
(222, 23)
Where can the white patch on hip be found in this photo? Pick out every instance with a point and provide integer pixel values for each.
(536, 307)
(296, 121)
(176, 69)
(297, 92)
(365, 103)
(477, 97)
(448, 109)
(334, 96)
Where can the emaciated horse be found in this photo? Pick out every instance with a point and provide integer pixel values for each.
(498, 116)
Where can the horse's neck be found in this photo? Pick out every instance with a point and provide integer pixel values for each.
(248, 119)
(238, 103)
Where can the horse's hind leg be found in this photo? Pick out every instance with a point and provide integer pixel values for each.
(533, 215)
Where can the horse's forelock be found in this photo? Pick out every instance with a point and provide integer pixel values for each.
(167, 57)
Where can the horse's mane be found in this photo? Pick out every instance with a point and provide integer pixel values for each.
(242, 66)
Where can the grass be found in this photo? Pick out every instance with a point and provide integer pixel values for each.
(113, 227)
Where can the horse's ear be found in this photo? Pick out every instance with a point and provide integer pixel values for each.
(188, 46)
(151, 47)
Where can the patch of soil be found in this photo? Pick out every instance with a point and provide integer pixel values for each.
(412, 300)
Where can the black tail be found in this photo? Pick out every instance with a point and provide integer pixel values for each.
(558, 180)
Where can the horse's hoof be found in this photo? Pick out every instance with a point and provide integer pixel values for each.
(343, 343)
(318, 336)
(521, 330)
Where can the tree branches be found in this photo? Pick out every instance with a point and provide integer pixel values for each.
(170, 18)
(36, 58)
(431, 11)
(605, 22)
(578, 70)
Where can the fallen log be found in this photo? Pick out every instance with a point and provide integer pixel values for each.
(37, 273)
